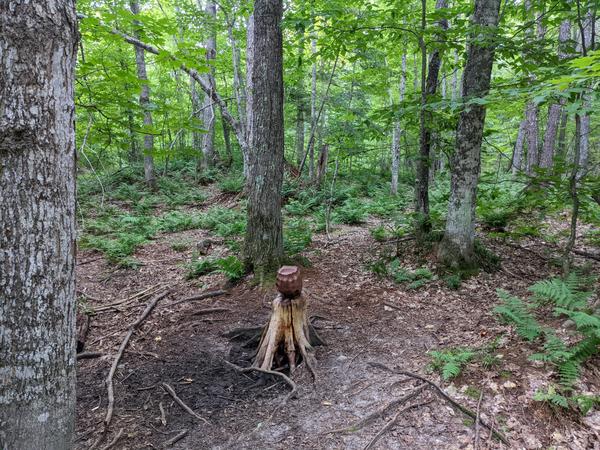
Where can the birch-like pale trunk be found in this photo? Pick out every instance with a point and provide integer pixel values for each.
(263, 247)
(300, 106)
(209, 156)
(38, 47)
(397, 133)
(313, 109)
(140, 61)
(249, 93)
(584, 135)
(556, 109)
(457, 247)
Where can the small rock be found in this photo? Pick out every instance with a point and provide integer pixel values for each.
(509, 385)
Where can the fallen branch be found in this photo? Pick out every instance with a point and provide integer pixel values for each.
(199, 297)
(380, 412)
(134, 326)
(114, 441)
(89, 355)
(391, 305)
(439, 391)
(202, 312)
(83, 263)
(138, 295)
(174, 439)
(392, 422)
(477, 419)
(586, 254)
(181, 403)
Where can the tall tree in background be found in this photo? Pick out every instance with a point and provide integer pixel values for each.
(428, 90)
(457, 247)
(37, 212)
(140, 61)
(208, 158)
(263, 247)
(556, 109)
(397, 133)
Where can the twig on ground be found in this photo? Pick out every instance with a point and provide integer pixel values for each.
(438, 390)
(391, 305)
(174, 439)
(134, 326)
(477, 419)
(163, 416)
(139, 295)
(83, 263)
(89, 355)
(181, 403)
(199, 297)
(114, 441)
(586, 254)
(392, 422)
(201, 312)
(380, 412)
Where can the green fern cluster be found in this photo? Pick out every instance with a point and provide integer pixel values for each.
(569, 297)
(450, 362)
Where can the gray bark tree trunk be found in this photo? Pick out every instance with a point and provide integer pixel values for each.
(209, 156)
(263, 248)
(397, 133)
(584, 136)
(38, 47)
(140, 61)
(517, 159)
(300, 106)
(313, 110)
(555, 110)
(249, 92)
(429, 88)
(531, 136)
(457, 247)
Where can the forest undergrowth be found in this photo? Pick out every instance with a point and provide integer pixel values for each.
(512, 341)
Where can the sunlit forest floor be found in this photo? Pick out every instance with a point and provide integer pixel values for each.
(363, 317)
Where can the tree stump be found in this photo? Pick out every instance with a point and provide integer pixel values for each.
(289, 336)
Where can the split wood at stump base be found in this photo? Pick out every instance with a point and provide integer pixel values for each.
(288, 337)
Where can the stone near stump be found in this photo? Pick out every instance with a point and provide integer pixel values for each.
(289, 281)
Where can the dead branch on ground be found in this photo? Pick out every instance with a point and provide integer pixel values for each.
(202, 296)
(439, 391)
(181, 403)
(174, 439)
(134, 326)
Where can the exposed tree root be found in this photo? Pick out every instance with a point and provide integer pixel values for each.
(202, 296)
(283, 376)
(179, 436)
(439, 391)
(392, 422)
(181, 403)
(380, 412)
(288, 330)
(134, 326)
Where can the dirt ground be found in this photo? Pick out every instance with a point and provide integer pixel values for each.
(363, 319)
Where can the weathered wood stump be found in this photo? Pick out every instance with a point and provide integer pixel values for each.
(289, 336)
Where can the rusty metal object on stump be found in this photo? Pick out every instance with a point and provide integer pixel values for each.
(289, 281)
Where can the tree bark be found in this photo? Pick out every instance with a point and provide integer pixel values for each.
(531, 136)
(555, 110)
(428, 90)
(397, 133)
(586, 45)
(313, 109)
(300, 106)
(263, 248)
(249, 91)
(457, 247)
(517, 159)
(209, 156)
(37, 243)
(140, 61)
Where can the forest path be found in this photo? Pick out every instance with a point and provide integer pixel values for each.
(185, 348)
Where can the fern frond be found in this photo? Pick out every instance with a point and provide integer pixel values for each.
(518, 313)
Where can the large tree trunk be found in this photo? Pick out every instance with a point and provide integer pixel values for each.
(37, 213)
(300, 106)
(264, 242)
(428, 90)
(586, 44)
(555, 110)
(531, 136)
(457, 246)
(140, 61)
(209, 156)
